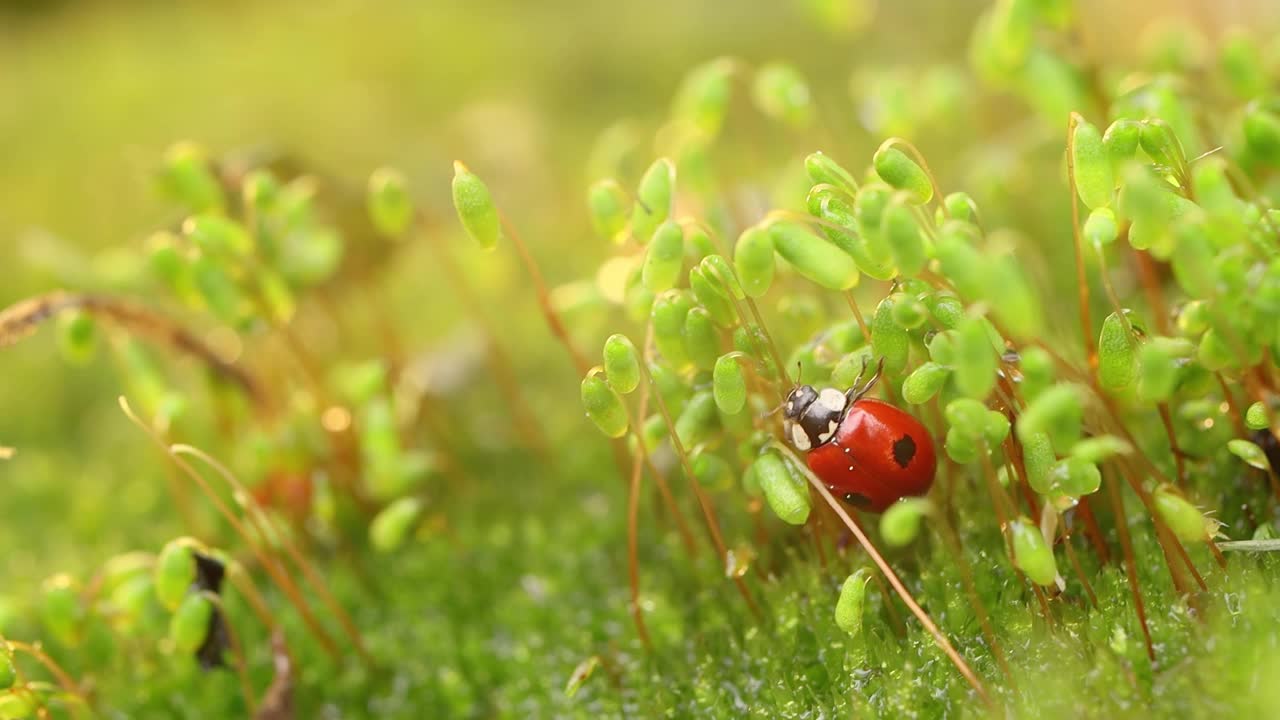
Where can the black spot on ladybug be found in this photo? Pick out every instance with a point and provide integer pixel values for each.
(858, 500)
(904, 448)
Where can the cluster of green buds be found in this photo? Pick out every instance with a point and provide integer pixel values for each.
(961, 328)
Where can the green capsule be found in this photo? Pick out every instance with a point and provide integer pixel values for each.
(901, 172)
(899, 229)
(1159, 360)
(822, 170)
(390, 207)
(1039, 458)
(961, 262)
(175, 572)
(961, 446)
(785, 493)
(709, 294)
(1037, 371)
(960, 206)
(1100, 448)
(664, 257)
(753, 259)
(942, 348)
(853, 595)
(910, 313)
(967, 415)
(1031, 554)
(170, 264)
(813, 257)
(1095, 181)
(975, 358)
(1159, 142)
(1214, 353)
(1117, 354)
(711, 471)
(1186, 521)
(1075, 476)
(607, 203)
(187, 177)
(189, 625)
(77, 336)
(61, 610)
(718, 271)
(604, 406)
(260, 190)
(704, 95)
(946, 309)
(654, 197)
(1262, 131)
(781, 93)
(1250, 453)
(475, 207)
(729, 385)
(750, 340)
(391, 527)
(924, 383)
(1121, 142)
(1255, 418)
(900, 523)
(621, 363)
(218, 290)
(995, 428)
(1100, 228)
(217, 235)
(701, 339)
(699, 420)
(669, 312)
(856, 224)
(1057, 411)
(889, 340)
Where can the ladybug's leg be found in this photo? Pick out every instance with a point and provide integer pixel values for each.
(856, 393)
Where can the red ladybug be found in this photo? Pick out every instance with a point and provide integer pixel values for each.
(866, 451)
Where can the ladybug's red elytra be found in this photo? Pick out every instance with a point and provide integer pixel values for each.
(867, 452)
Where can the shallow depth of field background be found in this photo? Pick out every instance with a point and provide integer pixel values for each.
(91, 93)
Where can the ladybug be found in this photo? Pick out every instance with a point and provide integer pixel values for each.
(868, 452)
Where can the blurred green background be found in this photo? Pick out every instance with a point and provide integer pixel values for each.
(91, 93)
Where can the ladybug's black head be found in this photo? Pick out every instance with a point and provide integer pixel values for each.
(810, 417)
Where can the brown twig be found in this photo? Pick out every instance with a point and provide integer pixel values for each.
(22, 318)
